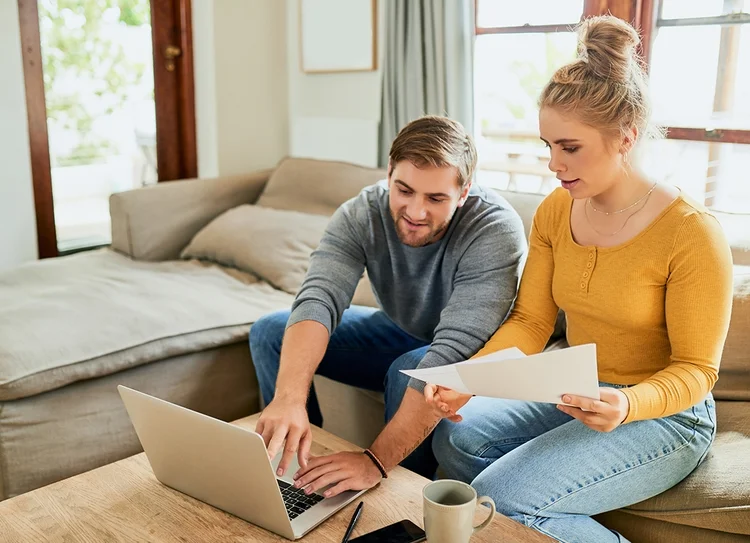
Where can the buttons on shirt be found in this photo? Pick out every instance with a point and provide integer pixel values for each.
(588, 270)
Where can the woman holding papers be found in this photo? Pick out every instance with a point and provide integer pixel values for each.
(640, 270)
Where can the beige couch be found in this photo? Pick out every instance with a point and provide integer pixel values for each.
(73, 328)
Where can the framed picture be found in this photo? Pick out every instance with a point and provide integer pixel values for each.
(338, 35)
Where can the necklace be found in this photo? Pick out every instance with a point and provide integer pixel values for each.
(586, 213)
(638, 201)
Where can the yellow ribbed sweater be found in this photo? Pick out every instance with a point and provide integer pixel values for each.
(657, 306)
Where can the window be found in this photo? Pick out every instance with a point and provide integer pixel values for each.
(518, 48)
(700, 81)
(698, 55)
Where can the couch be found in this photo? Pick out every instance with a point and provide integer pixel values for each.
(167, 308)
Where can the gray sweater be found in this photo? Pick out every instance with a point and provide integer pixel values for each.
(453, 293)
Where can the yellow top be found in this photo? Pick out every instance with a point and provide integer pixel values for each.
(657, 306)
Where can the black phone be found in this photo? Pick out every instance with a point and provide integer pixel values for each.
(404, 531)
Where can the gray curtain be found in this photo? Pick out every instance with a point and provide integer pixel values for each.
(427, 66)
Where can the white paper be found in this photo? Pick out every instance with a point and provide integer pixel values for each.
(505, 354)
(446, 376)
(543, 377)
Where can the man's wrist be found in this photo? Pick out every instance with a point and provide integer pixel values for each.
(291, 397)
(376, 461)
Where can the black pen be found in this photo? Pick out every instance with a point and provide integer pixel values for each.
(355, 518)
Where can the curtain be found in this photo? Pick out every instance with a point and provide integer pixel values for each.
(427, 66)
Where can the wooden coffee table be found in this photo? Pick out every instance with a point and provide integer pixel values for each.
(123, 502)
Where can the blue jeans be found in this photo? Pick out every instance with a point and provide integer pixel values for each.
(366, 350)
(549, 471)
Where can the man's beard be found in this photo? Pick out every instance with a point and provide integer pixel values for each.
(410, 239)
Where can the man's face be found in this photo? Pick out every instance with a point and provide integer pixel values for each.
(423, 201)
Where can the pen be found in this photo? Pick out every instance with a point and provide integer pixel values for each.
(355, 518)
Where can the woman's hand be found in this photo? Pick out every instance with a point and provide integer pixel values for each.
(603, 415)
(445, 402)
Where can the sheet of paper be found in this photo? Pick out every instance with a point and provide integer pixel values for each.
(543, 377)
(446, 376)
(505, 354)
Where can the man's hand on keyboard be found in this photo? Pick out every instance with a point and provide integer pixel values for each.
(285, 424)
(345, 470)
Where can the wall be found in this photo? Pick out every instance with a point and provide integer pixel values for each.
(241, 85)
(333, 116)
(17, 215)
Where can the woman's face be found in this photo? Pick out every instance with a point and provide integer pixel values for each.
(584, 162)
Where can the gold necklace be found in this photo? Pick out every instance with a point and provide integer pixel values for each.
(586, 213)
(638, 201)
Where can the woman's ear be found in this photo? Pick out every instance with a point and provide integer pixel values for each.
(628, 141)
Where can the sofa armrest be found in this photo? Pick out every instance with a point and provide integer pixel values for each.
(155, 223)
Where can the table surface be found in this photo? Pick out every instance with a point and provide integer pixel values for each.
(123, 502)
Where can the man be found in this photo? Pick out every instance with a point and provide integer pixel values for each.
(443, 259)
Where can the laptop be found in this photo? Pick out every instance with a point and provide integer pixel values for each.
(225, 466)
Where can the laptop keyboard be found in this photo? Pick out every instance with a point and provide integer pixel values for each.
(295, 499)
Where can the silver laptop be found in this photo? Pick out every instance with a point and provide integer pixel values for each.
(225, 466)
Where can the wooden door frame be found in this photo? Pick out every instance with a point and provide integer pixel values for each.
(36, 111)
(177, 155)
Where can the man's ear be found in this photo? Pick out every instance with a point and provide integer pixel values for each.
(389, 169)
(464, 194)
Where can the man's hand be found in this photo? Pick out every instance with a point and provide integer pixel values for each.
(445, 402)
(345, 470)
(286, 421)
(602, 415)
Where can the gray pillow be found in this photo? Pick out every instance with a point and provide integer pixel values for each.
(271, 243)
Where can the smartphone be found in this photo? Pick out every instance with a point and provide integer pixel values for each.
(404, 531)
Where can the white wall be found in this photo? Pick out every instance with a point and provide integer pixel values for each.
(333, 116)
(241, 85)
(17, 215)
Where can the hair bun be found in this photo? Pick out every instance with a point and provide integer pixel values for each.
(607, 46)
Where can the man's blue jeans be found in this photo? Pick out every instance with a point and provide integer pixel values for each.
(549, 471)
(367, 350)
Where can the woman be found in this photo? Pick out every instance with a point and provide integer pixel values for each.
(640, 270)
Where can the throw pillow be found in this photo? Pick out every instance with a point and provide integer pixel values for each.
(316, 186)
(734, 373)
(273, 244)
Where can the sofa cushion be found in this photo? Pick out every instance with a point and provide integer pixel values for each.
(525, 204)
(78, 317)
(737, 229)
(717, 494)
(316, 186)
(734, 373)
(273, 244)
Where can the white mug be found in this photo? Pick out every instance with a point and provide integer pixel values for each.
(449, 511)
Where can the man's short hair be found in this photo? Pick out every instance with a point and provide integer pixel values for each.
(436, 141)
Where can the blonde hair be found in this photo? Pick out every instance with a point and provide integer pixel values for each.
(605, 87)
(438, 142)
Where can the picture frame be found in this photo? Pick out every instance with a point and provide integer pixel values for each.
(326, 25)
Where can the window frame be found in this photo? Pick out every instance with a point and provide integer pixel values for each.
(645, 15)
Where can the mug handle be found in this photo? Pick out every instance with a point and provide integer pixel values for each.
(487, 501)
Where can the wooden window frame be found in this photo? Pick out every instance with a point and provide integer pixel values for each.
(644, 15)
(650, 21)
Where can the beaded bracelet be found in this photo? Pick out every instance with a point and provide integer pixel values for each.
(377, 462)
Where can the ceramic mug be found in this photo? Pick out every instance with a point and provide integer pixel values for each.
(449, 511)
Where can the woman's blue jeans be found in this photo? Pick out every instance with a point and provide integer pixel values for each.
(550, 472)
